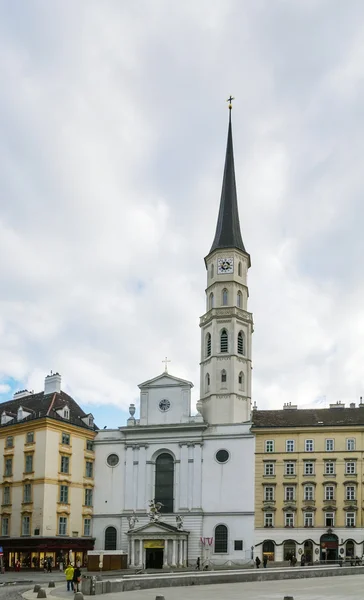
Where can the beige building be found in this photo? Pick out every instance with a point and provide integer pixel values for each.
(309, 482)
(47, 477)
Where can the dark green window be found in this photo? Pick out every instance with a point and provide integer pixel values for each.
(164, 476)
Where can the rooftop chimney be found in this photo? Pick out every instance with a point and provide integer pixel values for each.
(352, 404)
(338, 405)
(361, 404)
(289, 406)
(21, 394)
(52, 383)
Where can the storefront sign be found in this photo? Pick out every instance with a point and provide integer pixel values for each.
(153, 543)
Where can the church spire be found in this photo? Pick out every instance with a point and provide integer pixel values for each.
(228, 234)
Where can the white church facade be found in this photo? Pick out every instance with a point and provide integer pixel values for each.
(171, 486)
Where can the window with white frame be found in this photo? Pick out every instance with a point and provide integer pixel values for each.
(27, 493)
(350, 444)
(269, 445)
(350, 468)
(329, 468)
(289, 445)
(350, 519)
(308, 519)
(88, 497)
(290, 468)
(5, 526)
(329, 519)
(289, 519)
(350, 492)
(87, 527)
(309, 468)
(268, 493)
(309, 446)
(329, 445)
(63, 494)
(329, 492)
(289, 493)
(308, 492)
(268, 519)
(268, 469)
(62, 526)
(25, 525)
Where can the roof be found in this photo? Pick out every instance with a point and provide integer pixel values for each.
(175, 381)
(228, 234)
(45, 405)
(310, 417)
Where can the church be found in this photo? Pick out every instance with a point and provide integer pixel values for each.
(172, 486)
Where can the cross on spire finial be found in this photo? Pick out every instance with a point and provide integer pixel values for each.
(229, 100)
(166, 361)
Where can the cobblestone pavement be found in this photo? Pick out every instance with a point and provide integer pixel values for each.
(12, 592)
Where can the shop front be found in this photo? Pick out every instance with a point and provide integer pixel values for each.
(44, 553)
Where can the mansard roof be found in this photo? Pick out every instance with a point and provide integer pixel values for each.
(308, 417)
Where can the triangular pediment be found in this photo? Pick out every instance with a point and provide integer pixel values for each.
(165, 380)
(156, 528)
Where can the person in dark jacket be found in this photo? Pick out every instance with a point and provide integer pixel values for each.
(76, 579)
(265, 560)
(257, 562)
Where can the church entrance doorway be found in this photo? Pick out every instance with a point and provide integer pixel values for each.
(154, 558)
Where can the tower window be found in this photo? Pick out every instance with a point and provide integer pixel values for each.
(211, 301)
(239, 300)
(241, 380)
(208, 344)
(239, 269)
(207, 383)
(224, 297)
(224, 341)
(223, 376)
(241, 344)
(212, 270)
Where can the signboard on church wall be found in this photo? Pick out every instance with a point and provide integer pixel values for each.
(153, 543)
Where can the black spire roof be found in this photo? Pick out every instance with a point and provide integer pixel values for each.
(228, 234)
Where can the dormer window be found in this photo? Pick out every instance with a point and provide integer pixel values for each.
(66, 413)
(20, 415)
(90, 421)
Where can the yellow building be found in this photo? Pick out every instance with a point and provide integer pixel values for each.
(309, 482)
(47, 477)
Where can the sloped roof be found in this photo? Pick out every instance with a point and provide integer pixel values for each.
(173, 380)
(308, 417)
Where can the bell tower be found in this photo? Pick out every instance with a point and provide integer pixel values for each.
(226, 326)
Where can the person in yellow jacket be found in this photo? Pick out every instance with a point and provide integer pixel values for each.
(69, 577)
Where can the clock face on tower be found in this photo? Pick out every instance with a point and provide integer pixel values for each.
(225, 265)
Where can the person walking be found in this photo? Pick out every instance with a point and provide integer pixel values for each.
(257, 562)
(69, 577)
(198, 564)
(76, 579)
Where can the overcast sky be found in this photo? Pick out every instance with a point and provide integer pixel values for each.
(113, 126)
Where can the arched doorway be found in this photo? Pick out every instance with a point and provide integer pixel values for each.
(110, 538)
(308, 551)
(329, 547)
(289, 550)
(350, 549)
(268, 549)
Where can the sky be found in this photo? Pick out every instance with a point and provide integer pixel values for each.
(113, 124)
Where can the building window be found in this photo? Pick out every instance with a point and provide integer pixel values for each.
(212, 270)
(8, 467)
(223, 376)
(350, 492)
(89, 468)
(241, 349)
(268, 520)
(222, 456)
(63, 494)
(269, 445)
(221, 539)
(88, 497)
(350, 444)
(6, 495)
(239, 299)
(164, 482)
(224, 347)
(5, 526)
(87, 527)
(238, 545)
(308, 519)
(9, 441)
(309, 446)
(89, 445)
(309, 468)
(268, 469)
(329, 445)
(289, 493)
(208, 344)
(65, 464)
(66, 413)
(66, 439)
(25, 525)
(62, 526)
(329, 492)
(110, 538)
(329, 468)
(241, 380)
(207, 382)
(29, 463)
(308, 492)
(268, 493)
(350, 519)
(289, 519)
(211, 301)
(329, 519)
(239, 269)
(290, 468)
(224, 297)
(289, 445)
(350, 468)
(27, 493)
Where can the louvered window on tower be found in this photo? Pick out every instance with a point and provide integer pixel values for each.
(223, 376)
(224, 297)
(240, 342)
(224, 341)
(208, 344)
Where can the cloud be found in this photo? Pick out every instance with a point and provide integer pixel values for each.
(111, 157)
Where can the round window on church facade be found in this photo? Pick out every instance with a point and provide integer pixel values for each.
(112, 460)
(222, 456)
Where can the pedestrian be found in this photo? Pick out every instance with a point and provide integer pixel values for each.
(17, 566)
(257, 562)
(265, 560)
(49, 564)
(76, 579)
(69, 577)
(198, 564)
